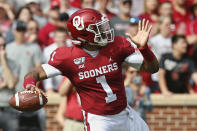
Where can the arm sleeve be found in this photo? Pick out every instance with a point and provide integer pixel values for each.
(58, 58)
(50, 70)
(127, 47)
(134, 58)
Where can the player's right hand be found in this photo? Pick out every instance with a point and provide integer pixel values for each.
(34, 88)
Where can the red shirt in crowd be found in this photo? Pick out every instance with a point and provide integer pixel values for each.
(73, 108)
(147, 17)
(178, 17)
(191, 27)
(45, 35)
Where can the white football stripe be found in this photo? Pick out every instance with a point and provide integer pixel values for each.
(40, 100)
(17, 99)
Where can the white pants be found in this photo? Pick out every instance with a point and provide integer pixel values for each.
(126, 120)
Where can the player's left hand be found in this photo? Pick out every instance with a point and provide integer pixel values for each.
(141, 38)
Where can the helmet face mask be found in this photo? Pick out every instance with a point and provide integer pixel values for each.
(103, 32)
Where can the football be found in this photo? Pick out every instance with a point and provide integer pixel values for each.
(28, 101)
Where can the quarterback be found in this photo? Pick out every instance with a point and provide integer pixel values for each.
(94, 68)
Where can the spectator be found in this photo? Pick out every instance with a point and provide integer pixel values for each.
(87, 3)
(32, 32)
(59, 41)
(180, 16)
(62, 20)
(151, 14)
(24, 14)
(69, 114)
(6, 17)
(165, 9)
(66, 8)
(45, 6)
(191, 33)
(51, 84)
(34, 6)
(133, 26)
(191, 26)
(138, 95)
(112, 6)
(101, 6)
(29, 53)
(176, 69)
(75, 3)
(120, 23)
(150, 10)
(137, 7)
(28, 56)
(45, 35)
(9, 71)
(160, 44)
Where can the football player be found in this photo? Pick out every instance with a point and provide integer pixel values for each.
(94, 68)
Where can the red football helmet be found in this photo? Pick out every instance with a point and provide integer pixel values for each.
(89, 25)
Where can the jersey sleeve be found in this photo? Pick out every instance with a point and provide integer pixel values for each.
(57, 58)
(135, 60)
(131, 54)
(127, 47)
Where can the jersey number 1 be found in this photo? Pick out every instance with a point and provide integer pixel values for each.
(110, 96)
(52, 56)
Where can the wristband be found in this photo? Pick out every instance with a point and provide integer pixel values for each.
(29, 81)
(147, 54)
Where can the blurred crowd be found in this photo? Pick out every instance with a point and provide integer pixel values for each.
(30, 30)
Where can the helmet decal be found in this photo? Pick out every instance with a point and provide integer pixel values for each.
(78, 23)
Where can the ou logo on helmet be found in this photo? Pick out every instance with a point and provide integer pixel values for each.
(78, 23)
